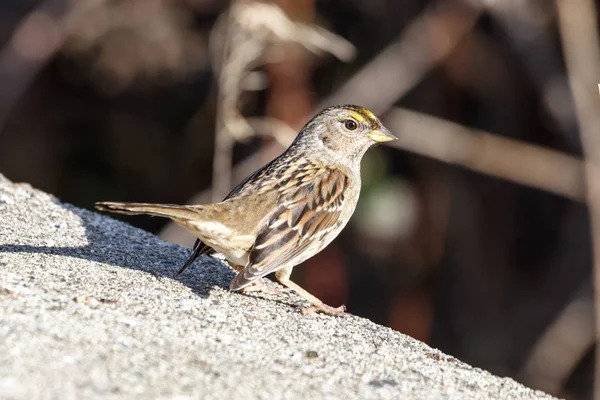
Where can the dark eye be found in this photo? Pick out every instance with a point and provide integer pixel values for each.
(350, 124)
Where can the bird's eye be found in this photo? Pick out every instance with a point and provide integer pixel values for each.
(350, 124)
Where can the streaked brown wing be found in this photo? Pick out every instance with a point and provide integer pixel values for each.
(305, 215)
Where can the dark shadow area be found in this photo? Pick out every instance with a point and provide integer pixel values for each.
(106, 248)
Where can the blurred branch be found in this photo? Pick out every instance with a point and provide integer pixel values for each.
(579, 36)
(224, 142)
(562, 346)
(486, 153)
(290, 97)
(426, 42)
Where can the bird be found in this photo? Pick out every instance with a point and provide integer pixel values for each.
(287, 211)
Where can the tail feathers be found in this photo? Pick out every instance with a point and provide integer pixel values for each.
(172, 211)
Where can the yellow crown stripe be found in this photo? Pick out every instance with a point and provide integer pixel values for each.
(362, 114)
(369, 114)
(366, 113)
(357, 116)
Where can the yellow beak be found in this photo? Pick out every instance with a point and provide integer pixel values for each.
(381, 135)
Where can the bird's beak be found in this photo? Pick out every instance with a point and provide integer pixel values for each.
(381, 135)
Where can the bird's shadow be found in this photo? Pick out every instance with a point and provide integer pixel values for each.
(115, 243)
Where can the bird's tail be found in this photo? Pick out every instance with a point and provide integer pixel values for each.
(172, 211)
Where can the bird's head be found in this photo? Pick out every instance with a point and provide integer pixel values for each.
(344, 132)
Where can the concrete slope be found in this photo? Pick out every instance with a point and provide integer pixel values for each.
(89, 309)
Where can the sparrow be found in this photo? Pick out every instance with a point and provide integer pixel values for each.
(287, 211)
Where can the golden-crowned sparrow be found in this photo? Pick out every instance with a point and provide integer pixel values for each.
(287, 211)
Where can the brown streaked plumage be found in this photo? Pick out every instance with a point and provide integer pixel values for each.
(287, 211)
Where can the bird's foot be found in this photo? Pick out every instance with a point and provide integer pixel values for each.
(261, 287)
(325, 309)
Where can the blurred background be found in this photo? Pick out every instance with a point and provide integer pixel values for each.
(473, 232)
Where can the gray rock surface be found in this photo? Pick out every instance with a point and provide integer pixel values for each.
(88, 309)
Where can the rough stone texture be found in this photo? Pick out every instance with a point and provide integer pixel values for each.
(88, 309)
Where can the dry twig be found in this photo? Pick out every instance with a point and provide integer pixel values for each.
(562, 346)
(486, 153)
(579, 36)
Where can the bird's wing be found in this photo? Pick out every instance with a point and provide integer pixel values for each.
(304, 216)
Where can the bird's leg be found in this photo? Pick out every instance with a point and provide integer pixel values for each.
(283, 276)
(259, 286)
